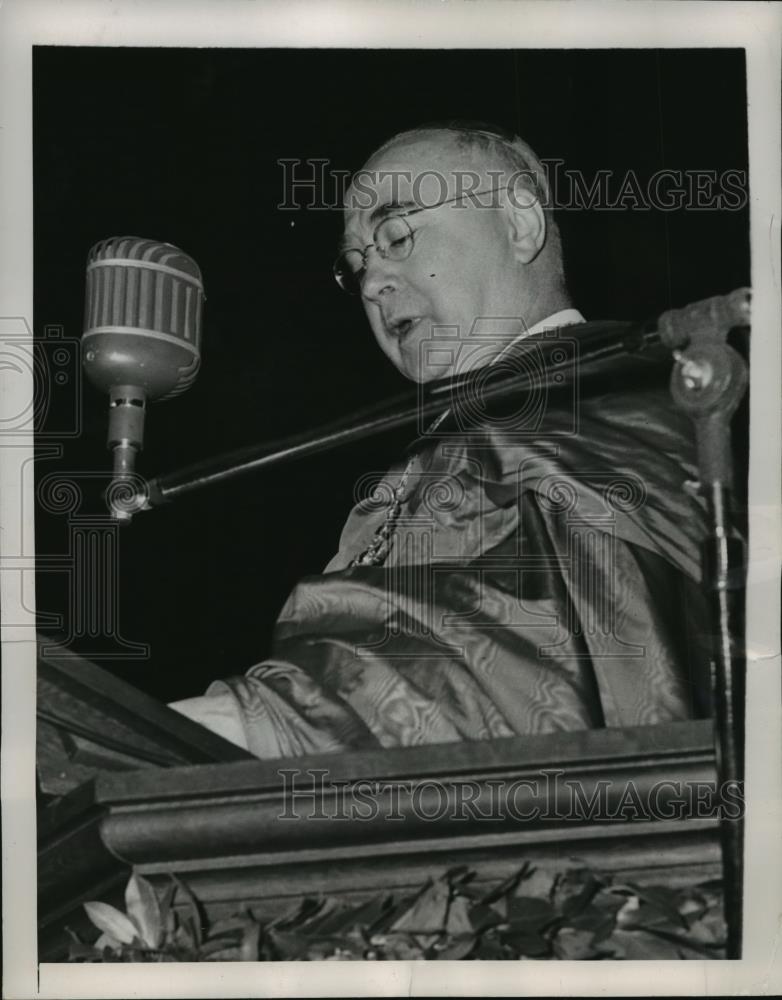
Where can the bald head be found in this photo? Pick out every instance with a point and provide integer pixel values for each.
(499, 158)
(474, 257)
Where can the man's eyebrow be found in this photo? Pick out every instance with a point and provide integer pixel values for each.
(381, 212)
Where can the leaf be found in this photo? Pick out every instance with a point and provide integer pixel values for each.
(459, 874)
(288, 946)
(197, 922)
(368, 915)
(228, 926)
(107, 918)
(326, 919)
(344, 919)
(532, 945)
(399, 947)
(79, 951)
(573, 889)
(689, 907)
(183, 939)
(528, 913)
(482, 916)
(222, 949)
(459, 921)
(702, 950)
(637, 945)
(661, 900)
(506, 887)
(538, 882)
(338, 955)
(489, 948)
(143, 909)
(474, 892)
(167, 920)
(107, 941)
(394, 910)
(609, 901)
(428, 912)
(457, 949)
(599, 921)
(345, 946)
(709, 929)
(307, 908)
(628, 912)
(250, 946)
(713, 888)
(573, 944)
(233, 938)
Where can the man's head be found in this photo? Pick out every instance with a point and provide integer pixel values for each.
(445, 287)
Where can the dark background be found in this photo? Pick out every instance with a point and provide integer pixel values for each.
(182, 146)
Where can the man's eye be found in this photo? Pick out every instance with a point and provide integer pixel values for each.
(393, 229)
(394, 238)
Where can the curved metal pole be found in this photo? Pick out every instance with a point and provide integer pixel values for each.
(708, 383)
(546, 367)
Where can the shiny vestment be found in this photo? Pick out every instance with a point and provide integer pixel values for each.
(543, 576)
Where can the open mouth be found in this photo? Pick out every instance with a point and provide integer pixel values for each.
(403, 327)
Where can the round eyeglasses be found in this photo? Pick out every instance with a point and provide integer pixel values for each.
(393, 239)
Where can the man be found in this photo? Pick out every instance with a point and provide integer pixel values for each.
(517, 572)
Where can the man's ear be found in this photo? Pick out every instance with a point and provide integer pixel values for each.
(527, 223)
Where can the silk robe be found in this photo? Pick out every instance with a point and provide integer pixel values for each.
(543, 576)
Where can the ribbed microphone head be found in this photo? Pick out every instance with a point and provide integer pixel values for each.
(142, 322)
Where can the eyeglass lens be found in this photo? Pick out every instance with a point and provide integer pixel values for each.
(393, 240)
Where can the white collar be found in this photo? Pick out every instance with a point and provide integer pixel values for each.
(565, 317)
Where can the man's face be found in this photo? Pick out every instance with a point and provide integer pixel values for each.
(462, 270)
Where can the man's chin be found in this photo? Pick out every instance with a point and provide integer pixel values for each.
(425, 361)
(424, 373)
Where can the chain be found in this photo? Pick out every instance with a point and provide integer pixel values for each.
(377, 551)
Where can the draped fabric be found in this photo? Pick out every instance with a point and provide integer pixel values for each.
(537, 582)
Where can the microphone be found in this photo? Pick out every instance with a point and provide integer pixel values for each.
(142, 339)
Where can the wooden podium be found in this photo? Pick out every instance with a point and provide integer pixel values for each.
(128, 784)
(90, 722)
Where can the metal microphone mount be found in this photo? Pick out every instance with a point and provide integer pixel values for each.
(708, 383)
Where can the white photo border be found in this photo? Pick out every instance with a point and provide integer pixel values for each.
(399, 24)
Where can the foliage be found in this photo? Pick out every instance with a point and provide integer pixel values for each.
(575, 914)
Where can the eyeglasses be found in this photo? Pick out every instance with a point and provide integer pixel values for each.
(393, 239)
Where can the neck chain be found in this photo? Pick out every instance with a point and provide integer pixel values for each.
(376, 553)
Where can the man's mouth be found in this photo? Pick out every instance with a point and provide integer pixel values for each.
(402, 328)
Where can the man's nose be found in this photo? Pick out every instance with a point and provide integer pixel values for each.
(381, 275)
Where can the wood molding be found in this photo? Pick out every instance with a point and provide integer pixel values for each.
(220, 825)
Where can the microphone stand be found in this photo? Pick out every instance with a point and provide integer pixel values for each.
(708, 382)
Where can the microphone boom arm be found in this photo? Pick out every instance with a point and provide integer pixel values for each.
(598, 349)
(407, 409)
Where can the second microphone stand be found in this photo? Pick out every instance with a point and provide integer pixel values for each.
(708, 383)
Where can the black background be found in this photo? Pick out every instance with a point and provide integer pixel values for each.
(182, 146)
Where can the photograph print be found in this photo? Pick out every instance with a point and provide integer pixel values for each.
(391, 502)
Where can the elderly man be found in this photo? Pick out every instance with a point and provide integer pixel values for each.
(522, 573)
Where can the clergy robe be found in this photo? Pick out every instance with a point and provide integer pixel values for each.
(543, 575)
